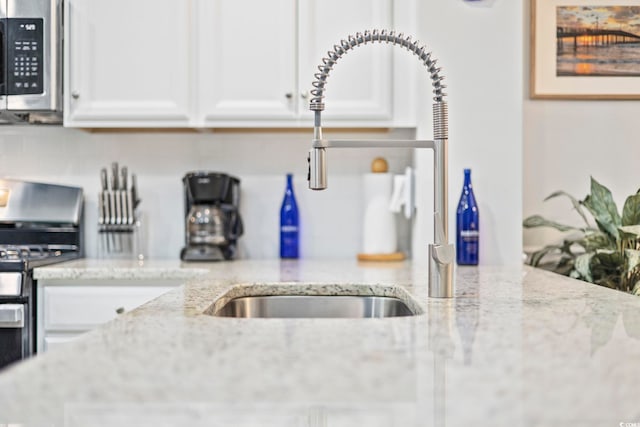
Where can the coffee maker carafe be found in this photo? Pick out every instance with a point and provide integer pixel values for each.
(212, 220)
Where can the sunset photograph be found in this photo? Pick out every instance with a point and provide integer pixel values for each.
(598, 41)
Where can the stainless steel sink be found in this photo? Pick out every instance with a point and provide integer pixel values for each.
(314, 306)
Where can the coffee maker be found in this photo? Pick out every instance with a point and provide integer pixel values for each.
(212, 220)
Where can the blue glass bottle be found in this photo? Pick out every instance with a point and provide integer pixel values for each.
(467, 225)
(289, 223)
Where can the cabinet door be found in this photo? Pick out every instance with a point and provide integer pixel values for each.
(127, 63)
(59, 340)
(246, 61)
(74, 308)
(359, 86)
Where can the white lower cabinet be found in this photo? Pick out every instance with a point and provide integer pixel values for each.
(54, 340)
(67, 309)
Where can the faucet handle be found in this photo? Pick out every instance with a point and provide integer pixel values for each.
(441, 270)
(444, 254)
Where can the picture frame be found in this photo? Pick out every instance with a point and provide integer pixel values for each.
(585, 49)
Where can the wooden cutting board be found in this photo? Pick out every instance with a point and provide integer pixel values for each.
(396, 256)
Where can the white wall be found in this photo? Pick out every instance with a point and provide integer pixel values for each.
(330, 220)
(566, 142)
(479, 47)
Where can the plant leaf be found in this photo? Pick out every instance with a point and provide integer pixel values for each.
(539, 221)
(564, 266)
(597, 240)
(636, 289)
(607, 260)
(630, 231)
(610, 281)
(575, 202)
(631, 210)
(607, 268)
(629, 237)
(601, 205)
(536, 257)
(583, 266)
(632, 259)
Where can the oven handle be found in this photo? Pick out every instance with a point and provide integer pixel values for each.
(11, 315)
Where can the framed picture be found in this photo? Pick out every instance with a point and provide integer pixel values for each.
(585, 49)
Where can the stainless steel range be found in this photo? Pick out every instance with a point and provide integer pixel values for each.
(40, 224)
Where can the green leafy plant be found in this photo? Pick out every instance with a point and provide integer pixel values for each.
(608, 253)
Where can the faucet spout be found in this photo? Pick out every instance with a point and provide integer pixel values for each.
(441, 253)
(317, 176)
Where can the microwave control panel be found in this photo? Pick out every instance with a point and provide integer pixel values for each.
(25, 56)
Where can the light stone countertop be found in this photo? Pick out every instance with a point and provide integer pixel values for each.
(516, 347)
(121, 269)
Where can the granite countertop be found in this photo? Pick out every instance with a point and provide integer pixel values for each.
(121, 269)
(516, 347)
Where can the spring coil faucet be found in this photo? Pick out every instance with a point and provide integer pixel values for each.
(441, 252)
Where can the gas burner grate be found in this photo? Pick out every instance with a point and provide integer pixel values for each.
(33, 252)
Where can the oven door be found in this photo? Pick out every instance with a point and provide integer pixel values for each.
(14, 333)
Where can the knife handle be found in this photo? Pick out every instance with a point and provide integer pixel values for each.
(118, 207)
(100, 209)
(104, 182)
(123, 178)
(112, 207)
(114, 176)
(130, 207)
(106, 210)
(134, 193)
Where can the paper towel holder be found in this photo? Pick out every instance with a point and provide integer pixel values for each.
(403, 197)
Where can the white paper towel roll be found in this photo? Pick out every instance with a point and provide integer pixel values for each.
(379, 234)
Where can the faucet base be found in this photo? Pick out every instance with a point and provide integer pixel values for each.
(441, 270)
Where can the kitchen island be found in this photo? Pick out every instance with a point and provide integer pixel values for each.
(516, 347)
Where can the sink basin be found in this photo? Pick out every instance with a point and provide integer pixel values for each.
(314, 306)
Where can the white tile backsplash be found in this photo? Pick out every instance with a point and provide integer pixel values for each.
(330, 219)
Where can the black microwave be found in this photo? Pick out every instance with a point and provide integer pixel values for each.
(30, 60)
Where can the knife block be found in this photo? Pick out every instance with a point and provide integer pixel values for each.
(119, 220)
(122, 242)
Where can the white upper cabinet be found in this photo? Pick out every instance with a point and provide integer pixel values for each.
(359, 87)
(127, 63)
(257, 59)
(246, 60)
(227, 63)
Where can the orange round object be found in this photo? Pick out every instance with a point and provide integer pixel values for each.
(379, 165)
